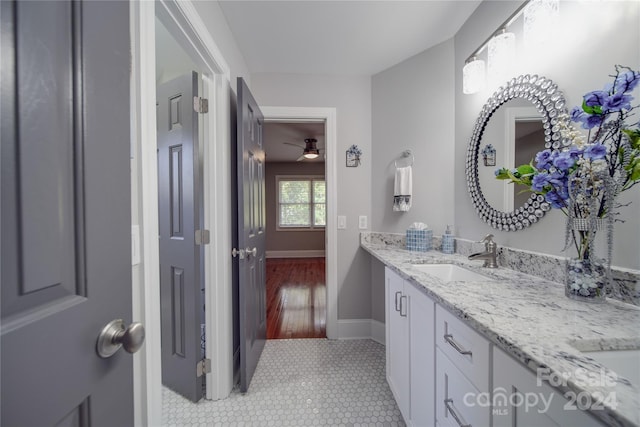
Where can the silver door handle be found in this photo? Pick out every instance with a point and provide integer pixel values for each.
(115, 335)
(253, 251)
(403, 297)
(397, 293)
(237, 253)
(449, 338)
(449, 404)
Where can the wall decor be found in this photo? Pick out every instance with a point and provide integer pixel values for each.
(489, 155)
(548, 99)
(353, 156)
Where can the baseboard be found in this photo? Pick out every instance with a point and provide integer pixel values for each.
(378, 331)
(320, 253)
(356, 329)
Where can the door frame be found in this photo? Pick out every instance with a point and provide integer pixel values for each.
(328, 115)
(185, 24)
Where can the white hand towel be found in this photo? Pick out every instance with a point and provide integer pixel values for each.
(402, 189)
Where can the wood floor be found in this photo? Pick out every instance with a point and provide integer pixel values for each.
(296, 298)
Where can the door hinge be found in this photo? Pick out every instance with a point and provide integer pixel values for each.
(203, 367)
(202, 237)
(201, 105)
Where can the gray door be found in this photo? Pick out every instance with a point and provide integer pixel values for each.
(180, 204)
(66, 216)
(251, 234)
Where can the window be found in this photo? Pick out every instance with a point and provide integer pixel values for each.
(301, 202)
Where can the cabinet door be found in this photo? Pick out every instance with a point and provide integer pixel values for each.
(536, 405)
(422, 356)
(467, 349)
(458, 401)
(397, 338)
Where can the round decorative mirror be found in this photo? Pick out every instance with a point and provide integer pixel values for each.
(526, 109)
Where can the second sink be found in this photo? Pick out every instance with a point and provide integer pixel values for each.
(451, 273)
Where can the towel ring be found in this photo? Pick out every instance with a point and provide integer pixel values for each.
(405, 155)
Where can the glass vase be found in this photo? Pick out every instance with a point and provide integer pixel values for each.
(586, 280)
(587, 275)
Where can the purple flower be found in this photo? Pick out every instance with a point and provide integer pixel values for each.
(577, 114)
(595, 152)
(595, 98)
(617, 102)
(626, 82)
(592, 121)
(564, 161)
(543, 159)
(539, 181)
(575, 153)
(554, 198)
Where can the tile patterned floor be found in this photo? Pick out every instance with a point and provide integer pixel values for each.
(302, 382)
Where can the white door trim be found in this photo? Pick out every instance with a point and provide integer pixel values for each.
(328, 115)
(183, 21)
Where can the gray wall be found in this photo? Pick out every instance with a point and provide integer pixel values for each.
(579, 61)
(351, 96)
(289, 240)
(413, 108)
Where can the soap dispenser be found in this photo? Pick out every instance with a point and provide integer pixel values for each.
(447, 241)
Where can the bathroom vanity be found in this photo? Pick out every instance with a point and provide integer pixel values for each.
(471, 346)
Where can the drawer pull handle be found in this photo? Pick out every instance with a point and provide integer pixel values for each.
(403, 297)
(449, 404)
(449, 338)
(397, 293)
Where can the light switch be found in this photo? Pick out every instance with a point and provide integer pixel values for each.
(342, 222)
(362, 222)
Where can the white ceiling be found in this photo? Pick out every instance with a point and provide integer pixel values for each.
(275, 133)
(353, 37)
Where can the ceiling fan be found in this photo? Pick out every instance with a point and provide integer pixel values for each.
(309, 150)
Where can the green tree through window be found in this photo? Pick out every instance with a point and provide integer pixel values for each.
(301, 202)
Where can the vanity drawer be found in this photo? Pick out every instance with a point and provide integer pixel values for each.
(458, 402)
(467, 349)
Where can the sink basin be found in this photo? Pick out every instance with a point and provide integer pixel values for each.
(625, 363)
(451, 273)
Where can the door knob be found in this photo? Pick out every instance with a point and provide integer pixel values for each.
(253, 251)
(115, 335)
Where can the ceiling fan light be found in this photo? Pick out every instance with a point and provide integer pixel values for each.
(311, 154)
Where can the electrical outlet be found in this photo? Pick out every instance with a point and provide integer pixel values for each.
(342, 222)
(362, 222)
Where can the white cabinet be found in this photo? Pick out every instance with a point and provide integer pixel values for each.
(466, 348)
(456, 397)
(410, 352)
(462, 373)
(422, 357)
(444, 373)
(397, 340)
(521, 401)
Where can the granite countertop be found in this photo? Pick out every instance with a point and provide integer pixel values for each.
(531, 319)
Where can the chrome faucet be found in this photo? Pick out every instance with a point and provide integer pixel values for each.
(490, 254)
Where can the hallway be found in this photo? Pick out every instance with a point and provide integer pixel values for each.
(303, 382)
(296, 298)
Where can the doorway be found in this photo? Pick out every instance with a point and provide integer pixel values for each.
(295, 221)
(324, 117)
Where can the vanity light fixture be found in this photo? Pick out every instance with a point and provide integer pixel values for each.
(473, 76)
(504, 45)
(501, 56)
(540, 20)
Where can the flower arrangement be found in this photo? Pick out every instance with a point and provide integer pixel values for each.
(353, 155)
(355, 151)
(584, 179)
